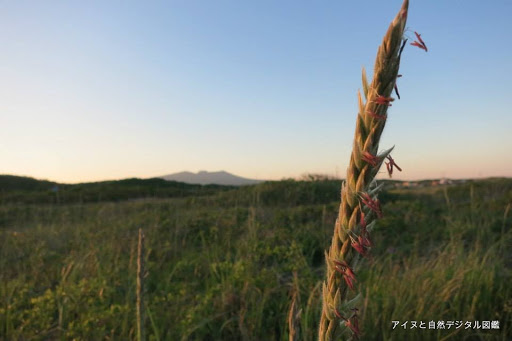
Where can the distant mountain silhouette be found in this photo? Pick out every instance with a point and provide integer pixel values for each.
(20, 189)
(206, 178)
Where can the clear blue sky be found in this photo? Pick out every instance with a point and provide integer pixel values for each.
(93, 90)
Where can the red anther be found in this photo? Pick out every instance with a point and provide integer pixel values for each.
(342, 264)
(354, 327)
(373, 205)
(391, 164)
(421, 44)
(370, 159)
(350, 273)
(415, 43)
(359, 248)
(389, 168)
(354, 324)
(345, 268)
(346, 271)
(349, 281)
(384, 100)
(421, 40)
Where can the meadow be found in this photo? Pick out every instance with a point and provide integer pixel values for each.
(223, 263)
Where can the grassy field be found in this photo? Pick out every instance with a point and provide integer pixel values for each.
(223, 264)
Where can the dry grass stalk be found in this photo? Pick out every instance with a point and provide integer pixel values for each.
(294, 319)
(359, 207)
(140, 288)
(294, 314)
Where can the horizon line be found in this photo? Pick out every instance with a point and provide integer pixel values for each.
(302, 177)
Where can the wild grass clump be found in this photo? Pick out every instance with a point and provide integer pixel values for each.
(227, 273)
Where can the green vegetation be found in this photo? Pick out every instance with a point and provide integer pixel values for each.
(17, 189)
(220, 262)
